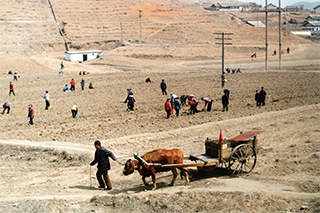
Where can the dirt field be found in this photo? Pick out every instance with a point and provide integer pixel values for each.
(45, 167)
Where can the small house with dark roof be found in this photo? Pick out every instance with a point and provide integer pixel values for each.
(272, 8)
(313, 18)
(311, 25)
(293, 8)
(226, 6)
(317, 9)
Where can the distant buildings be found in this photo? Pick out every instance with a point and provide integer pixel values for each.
(292, 9)
(311, 25)
(317, 9)
(226, 6)
(313, 18)
(272, 8)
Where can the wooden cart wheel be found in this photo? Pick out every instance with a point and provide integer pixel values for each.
(242, 159)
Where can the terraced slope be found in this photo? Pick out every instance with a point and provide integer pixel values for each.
(99, 21)
(27, 26)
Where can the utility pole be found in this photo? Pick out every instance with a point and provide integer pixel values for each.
(280, 51)
(121, 33)
(223, 43)
(140, 11)
(266, 35)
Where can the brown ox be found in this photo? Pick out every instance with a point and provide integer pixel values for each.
(162, 156)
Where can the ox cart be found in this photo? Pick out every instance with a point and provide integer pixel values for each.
(238, 154)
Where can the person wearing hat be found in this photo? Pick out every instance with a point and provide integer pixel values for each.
(101, 157)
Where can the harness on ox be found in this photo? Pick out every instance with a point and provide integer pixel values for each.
(147, 169)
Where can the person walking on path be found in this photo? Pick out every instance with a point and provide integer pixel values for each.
(177, 106)
(207, 101)
(74, 110)
(258, 98)
(73, 85)
(130, 99)
(6, 106)
(46, 98)
(101, 156)
(225, 102)
(30, 114)
(288, 50)
(82, 84)
(61, 69)
(263, 96)
(11, 88)
(163, 87)
(168, 107)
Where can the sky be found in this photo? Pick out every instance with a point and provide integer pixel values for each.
(276, 2)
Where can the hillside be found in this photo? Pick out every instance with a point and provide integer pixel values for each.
(28, 27)
(307, 5)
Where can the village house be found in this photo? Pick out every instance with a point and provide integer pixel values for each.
(311, 25)
(81, 55)
(226, 6)
(272, 8)
(292, 9)
(313, 18)
(317, 9)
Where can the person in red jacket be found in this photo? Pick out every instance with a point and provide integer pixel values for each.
(31, 114)
(73, 85)
(11, 89)
(168, 107)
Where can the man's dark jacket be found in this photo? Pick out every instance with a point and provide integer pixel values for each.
(101, 157)
(258, 97)
(225, 100)
(163, 85)
(263, 94)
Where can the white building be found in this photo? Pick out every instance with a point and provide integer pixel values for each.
(256, 24)
(81, 55)
(317, 9)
